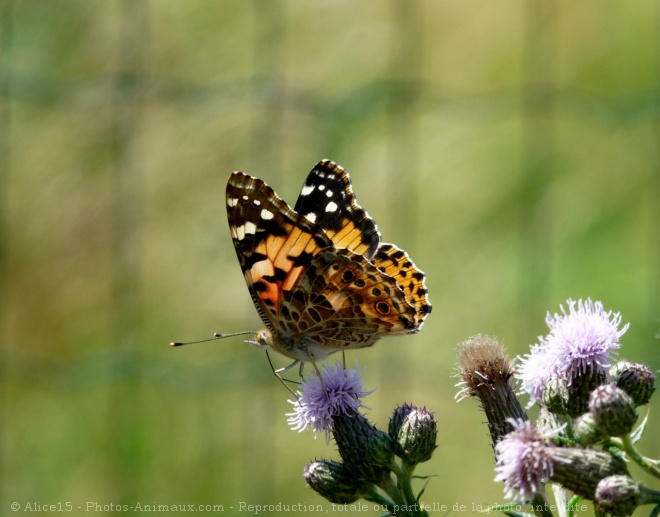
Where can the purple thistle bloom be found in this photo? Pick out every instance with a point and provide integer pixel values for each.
(582, 339)
(318, 402)
(524, 462)
(536, 370)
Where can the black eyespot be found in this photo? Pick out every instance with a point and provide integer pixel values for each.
(360, 283)
(383, 308)
(376, 292)
(348, 276)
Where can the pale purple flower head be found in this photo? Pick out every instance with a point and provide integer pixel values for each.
(584, 338)
(340, 391)
(524, 462)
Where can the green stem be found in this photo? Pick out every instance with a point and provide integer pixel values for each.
(375, 497)
(404, 479)
(646, 463)
(390, 488)
(648, 495)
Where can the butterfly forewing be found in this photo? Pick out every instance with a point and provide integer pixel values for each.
(273, 243)
(327, 199)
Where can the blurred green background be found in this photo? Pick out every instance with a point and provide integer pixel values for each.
(512, 148)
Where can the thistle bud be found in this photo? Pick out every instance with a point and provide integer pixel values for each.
(366, 451)
(613, 409)
(579, 389)
(586, 431)
(555, 395)
(636, 379)
(617, 495)
(331, 480)
(413, 432)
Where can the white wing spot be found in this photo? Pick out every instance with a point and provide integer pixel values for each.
(307, 190)
(256, 202)
(329, 193)
(245, 198)
(331, 207)
(250, 228)
(266, 214)
(240, 232)
(321, 187)
(232, 201)
(311, 217)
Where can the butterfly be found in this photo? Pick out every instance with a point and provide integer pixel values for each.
(318, 274)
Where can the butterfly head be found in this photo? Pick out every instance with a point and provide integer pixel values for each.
(262, 339)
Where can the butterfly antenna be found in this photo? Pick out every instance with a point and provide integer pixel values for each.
(215, 337)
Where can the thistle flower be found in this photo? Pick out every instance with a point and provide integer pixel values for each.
(485, 373)
(581, 341)
(337, 392)
(524, 462)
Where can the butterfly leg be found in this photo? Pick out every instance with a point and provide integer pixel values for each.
(278, 371)
(318, 372)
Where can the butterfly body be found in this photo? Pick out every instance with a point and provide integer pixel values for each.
(318, 274)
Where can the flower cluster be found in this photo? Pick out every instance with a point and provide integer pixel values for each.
(587, 412)
(376, 466)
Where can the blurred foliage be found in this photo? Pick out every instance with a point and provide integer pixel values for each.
(511, 148)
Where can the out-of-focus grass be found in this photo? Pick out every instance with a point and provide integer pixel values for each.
(512, 150)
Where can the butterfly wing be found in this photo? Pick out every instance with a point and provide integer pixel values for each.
(274, 244)
(327, 199)
(395, 263)
(343, 302)
(318, 275)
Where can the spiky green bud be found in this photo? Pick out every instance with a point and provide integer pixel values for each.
(413, 432)
(579, 389)
(636, 379)
(586, 431)
(555, 395)
(613, 409)
(366, 451)
(617, 495)
(332, 481)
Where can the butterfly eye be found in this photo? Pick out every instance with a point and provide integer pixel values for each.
(348, 276)
(383, 308)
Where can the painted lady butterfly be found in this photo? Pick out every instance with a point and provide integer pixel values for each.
(319, 276)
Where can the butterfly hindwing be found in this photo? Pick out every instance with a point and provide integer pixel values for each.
(343, 302)
(396, 263)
